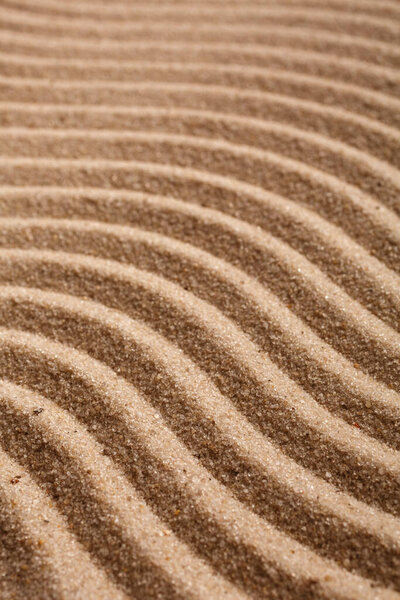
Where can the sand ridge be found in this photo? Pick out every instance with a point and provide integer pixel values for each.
(199, 299)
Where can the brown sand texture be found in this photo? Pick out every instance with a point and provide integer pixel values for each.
(199, 299)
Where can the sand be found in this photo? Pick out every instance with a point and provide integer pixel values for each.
(199, 299)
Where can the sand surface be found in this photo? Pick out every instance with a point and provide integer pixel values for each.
(199, 299)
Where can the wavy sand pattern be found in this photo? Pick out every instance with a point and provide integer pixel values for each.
(199, 299)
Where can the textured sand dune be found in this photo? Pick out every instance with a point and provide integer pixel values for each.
(199, 299)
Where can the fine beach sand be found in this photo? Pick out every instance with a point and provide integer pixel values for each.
(199, 299)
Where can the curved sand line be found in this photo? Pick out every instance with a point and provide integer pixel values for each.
(100, 8)
(207, 273)
(361, 342)
(370, 103)
(368, 135)
(381, 180)
(199, 299)
(69, 363)
(129, 175)
(108, 486)
(216, 330)
(379, 28)
(379, 53)
(255, 56)
(332, 198)
(358, 273)
(91, 5)
(24, 505)
(154, 213)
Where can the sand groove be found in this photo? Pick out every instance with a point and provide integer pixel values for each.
(343, 45)
(199, 299)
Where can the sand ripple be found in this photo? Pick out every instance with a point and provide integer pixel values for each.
(199, 299)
